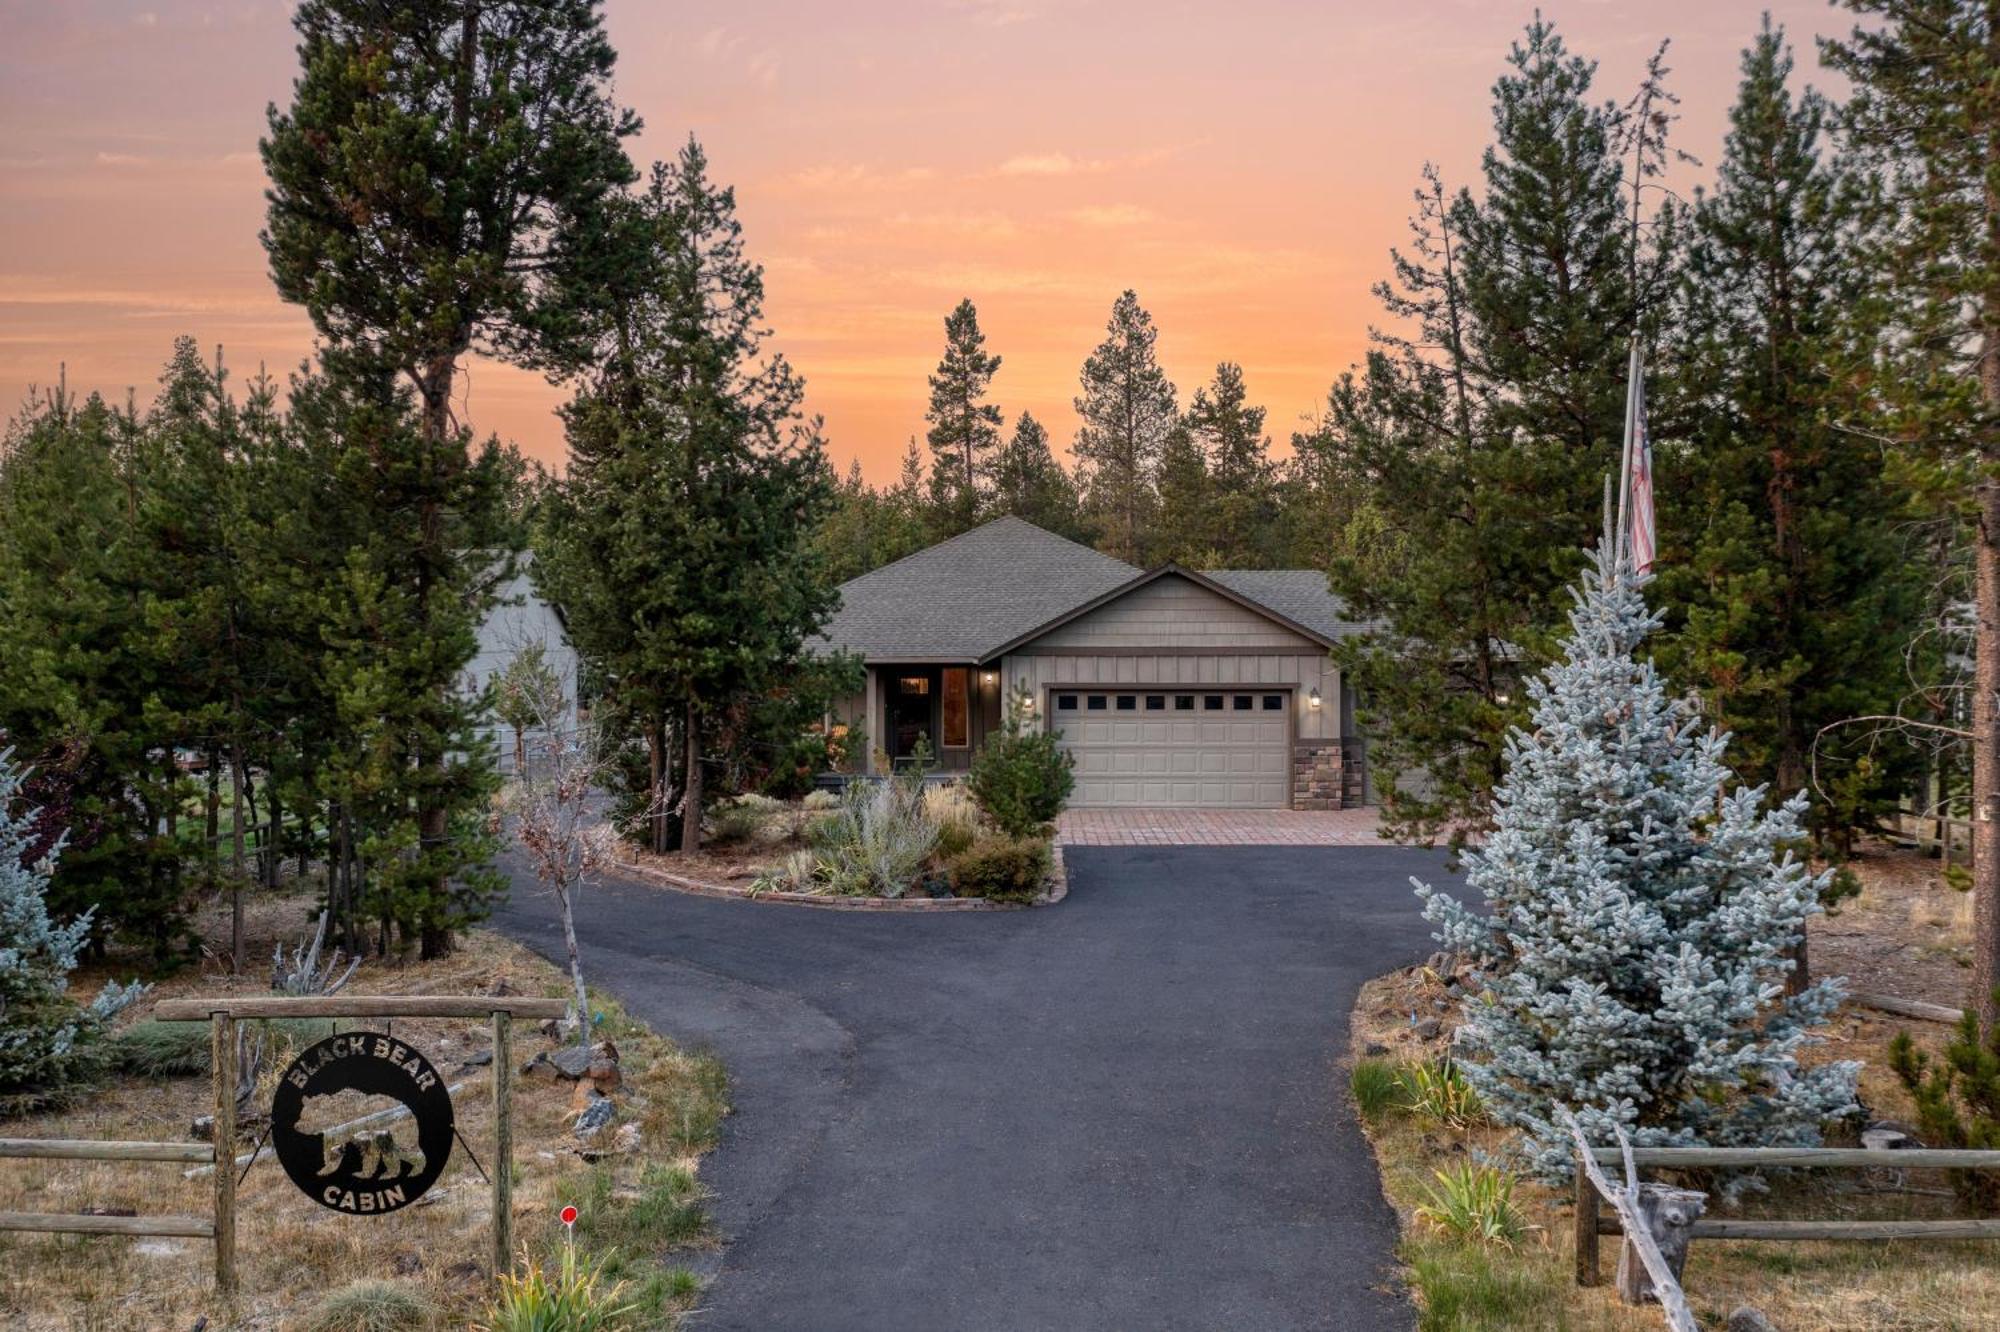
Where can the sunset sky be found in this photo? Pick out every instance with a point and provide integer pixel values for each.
(1244, 166)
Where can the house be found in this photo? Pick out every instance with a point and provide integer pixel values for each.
(1172, 688)
(520, 617)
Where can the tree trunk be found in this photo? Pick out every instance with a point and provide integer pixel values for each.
(563, 896)
(691, 808)
(656, 789)
(1986, 744)
(237, 867)
(1986, 644)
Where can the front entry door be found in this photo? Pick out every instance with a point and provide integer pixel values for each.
(911, 699)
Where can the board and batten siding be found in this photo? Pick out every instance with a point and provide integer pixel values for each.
(1170, 612)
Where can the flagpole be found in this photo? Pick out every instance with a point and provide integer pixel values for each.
(1622, 547)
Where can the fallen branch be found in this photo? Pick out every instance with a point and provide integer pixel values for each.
(379, 1117)
(1673, 1303)
(1910, 1008)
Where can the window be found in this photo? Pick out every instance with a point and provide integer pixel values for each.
(1274, 702)
(956, 724)
(1211, 702)
(918, 685)
(1244, 702)
(1096, 703)
(1066, 702)
(1127, 702)
(1156, 702)
(1183, 702)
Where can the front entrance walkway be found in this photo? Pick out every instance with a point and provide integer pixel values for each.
(1217, 827)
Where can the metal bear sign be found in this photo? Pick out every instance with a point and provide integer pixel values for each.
(364, 1170)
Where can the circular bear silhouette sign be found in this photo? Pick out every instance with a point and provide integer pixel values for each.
(376, 1167)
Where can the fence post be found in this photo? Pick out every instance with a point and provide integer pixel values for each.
(1586, 1228)
(222, 1058)
(503, 1145)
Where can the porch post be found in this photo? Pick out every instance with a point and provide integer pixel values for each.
(872, 722)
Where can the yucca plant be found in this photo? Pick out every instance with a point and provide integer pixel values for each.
(1438, 1090)
(1474, 1202)
(572, 1298)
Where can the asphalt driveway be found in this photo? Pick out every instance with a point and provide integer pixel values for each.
(1121, 1112)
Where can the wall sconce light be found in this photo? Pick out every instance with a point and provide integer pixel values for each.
(1312, 699)
(989, 677)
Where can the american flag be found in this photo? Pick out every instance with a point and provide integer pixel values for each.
(1639, 458)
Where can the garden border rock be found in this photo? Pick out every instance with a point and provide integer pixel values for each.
(1054, 891)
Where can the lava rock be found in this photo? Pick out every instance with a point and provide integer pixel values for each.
(1747, 1319)
(1888, 1135)
(1428, 1029)
(1374, 1050)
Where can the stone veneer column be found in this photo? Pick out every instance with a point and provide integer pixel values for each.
(1316, 774)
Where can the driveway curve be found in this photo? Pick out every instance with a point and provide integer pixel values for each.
(1122, 1112)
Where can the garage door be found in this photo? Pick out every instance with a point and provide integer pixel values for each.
(1220, 750)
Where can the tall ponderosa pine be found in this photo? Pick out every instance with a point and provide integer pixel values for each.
(1784, 551)
(965, 428)
(438, 186)
(1128, 410)
(1030, 483)
(681, 541)
(1242, 502)
(1924, 111)
(1640, 917)
(1476, 444)
(1181, 529)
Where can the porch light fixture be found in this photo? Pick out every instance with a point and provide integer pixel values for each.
(1312, 699)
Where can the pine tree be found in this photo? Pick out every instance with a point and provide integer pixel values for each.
(439, 185)
(45, 1040)
(1242, 503)
(1128, 410)
(1029, 483)
(1640, 918)
(965, 428)
(1923, 112)
(866, 529)
(1183, 527)
(680, 544)
(1784, 549)
(80, 665)
(1474, 443)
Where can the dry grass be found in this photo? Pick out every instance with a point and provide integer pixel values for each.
(1902, 936)
(291, 1253)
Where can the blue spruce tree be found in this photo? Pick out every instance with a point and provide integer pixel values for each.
(45, 1040)
(1641, 918)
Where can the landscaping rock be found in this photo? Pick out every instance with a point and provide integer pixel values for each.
(407, 1263)
(598, 1112)
(501, 988)
(1374, 1050)
(202, 1128)
(1428, 1029)
(1747, 1319)
(480, 1059)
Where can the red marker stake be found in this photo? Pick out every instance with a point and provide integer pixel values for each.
(568, 1217)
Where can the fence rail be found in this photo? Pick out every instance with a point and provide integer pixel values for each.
(77, 1149)
(1591, 1222)
(222, 1013)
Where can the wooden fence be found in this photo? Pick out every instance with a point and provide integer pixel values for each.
(1592, 1223)
(222, 1016)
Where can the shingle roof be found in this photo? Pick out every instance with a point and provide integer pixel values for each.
(961, 598)
(1300, 595)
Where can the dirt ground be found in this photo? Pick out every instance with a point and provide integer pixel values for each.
(292, 1252)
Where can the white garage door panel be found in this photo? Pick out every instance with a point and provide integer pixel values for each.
(1214, 759)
